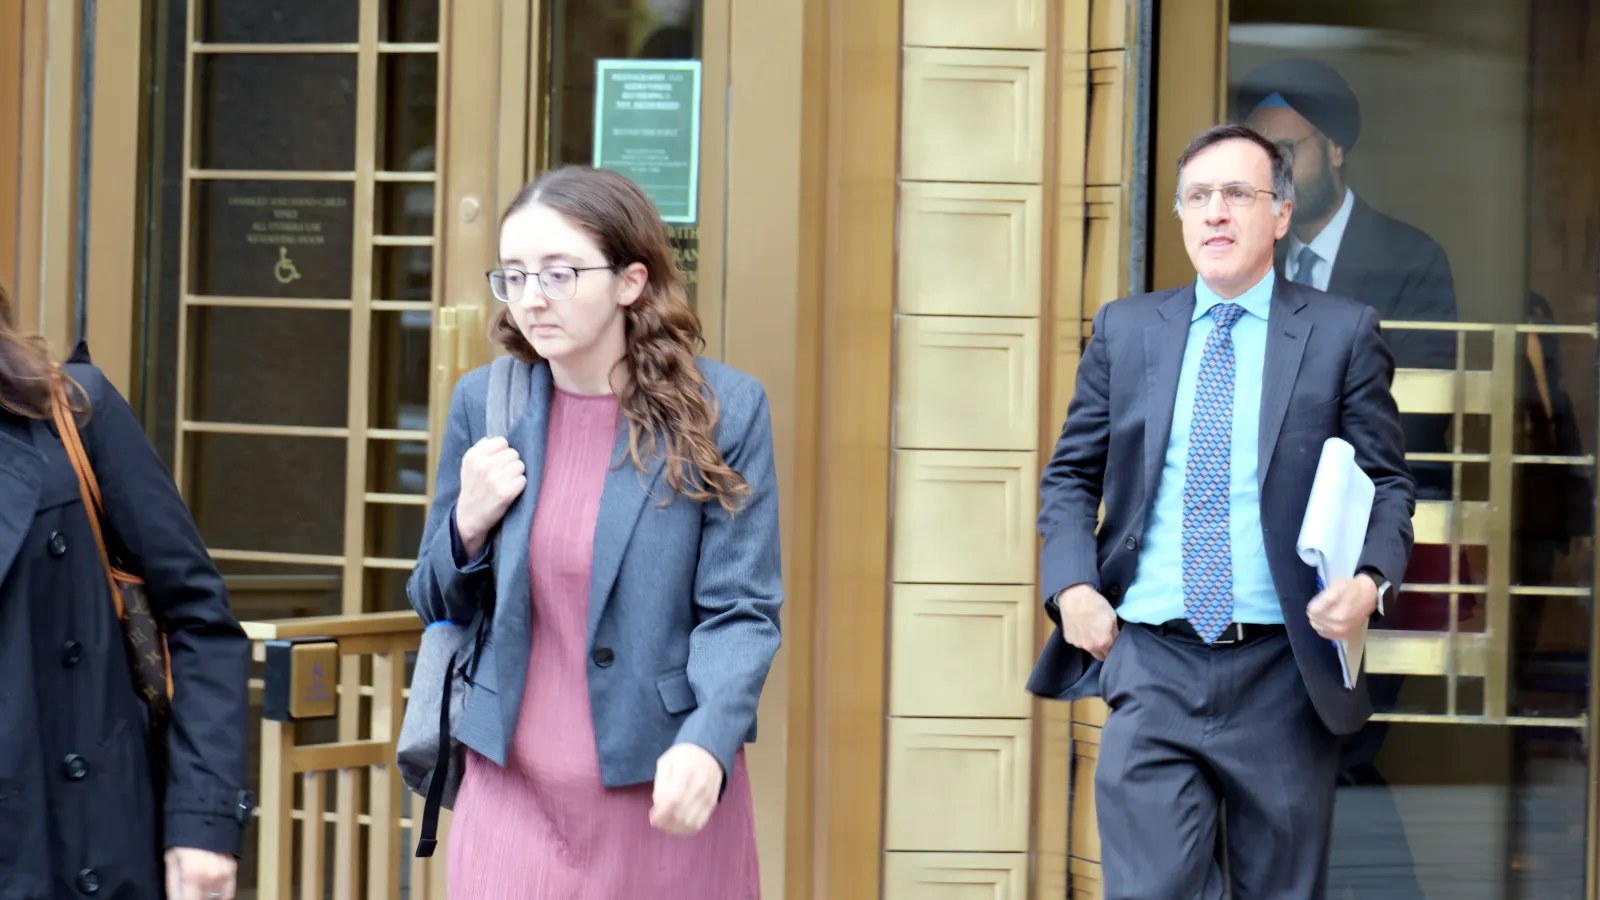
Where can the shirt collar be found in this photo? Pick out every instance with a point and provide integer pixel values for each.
(1326, 244)
(1257, 301)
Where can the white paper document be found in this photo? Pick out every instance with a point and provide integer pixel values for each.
(1334, 532)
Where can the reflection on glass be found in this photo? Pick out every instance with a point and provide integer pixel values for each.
(276, 112)
(403, 273)
(409, 21)
(400, 371)
(584, 31)
(1440, 173)
(409, 84)
(404, 208)
(385, 591)
(397, 467)
(280, 22)
(394, 531)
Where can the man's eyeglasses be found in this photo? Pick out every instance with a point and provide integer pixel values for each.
(557, 282)
(1198, 196)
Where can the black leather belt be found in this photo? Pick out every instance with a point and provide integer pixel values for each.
(1235, 633)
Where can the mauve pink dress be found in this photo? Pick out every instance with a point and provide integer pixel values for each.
(543, 827)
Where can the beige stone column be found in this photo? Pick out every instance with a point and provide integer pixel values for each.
(1012, 223)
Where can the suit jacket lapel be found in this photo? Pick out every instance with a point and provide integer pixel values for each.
(513, 606)
(1164, 343)
(626, 491)
(1286, 344)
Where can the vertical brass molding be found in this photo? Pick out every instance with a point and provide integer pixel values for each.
(715, 78)
(180, 470)
(1502, 444)
(468, 169)
(1191, 80)
(359, 383)
(1065, 154)
(441, 388)
(467, 190)
(856, 340)
(25, 288)
(59, 170)
(760, 319)
(11, 140)
(117, 161)
(803, 631)
(1592, 845)
(537, 126)
(520, 62)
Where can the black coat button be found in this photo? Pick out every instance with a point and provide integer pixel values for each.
(58, 544)
(88, 881)
(1114, 592)
(74, 767)
(603, 656)
(1132, 542)
(71, 652)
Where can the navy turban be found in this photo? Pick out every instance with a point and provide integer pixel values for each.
(1312, 89)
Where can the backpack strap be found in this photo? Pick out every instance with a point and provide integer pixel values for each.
(510, 380)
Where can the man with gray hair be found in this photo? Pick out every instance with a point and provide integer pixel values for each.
(1198, 421)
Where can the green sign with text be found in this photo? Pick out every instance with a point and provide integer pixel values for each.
(647, 127)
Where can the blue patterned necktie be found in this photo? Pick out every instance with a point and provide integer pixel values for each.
(1305, 264)
(1207, 549)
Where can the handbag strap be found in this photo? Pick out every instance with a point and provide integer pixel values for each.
(93, 504)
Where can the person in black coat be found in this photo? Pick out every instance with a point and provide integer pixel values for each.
(82, 811)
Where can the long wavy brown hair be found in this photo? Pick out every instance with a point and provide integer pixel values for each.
(27, 372)
(664, 398)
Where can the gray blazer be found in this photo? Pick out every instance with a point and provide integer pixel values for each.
(683, 607)
(1328, 374)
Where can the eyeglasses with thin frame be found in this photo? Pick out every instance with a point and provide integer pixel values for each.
(1237, 195)
(557, 282)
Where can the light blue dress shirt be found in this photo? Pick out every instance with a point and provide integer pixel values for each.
(1156, 594)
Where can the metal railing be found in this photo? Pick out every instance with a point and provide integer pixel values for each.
(333, 814)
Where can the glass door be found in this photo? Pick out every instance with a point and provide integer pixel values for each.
(295, 258)
(1443, 166)
(640, 86)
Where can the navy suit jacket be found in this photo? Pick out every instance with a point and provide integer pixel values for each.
(1328, 374)
(684, 599)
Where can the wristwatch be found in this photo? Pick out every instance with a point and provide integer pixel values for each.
(1385, 588)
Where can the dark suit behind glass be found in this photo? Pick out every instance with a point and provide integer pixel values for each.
(1253, 724)
(1404, 276)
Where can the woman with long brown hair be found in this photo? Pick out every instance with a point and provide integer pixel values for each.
(123, 700)
(622, 541)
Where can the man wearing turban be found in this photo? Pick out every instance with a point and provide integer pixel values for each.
(1340, 244)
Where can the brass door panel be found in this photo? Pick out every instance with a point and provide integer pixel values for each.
(299, 351)
(295, 265)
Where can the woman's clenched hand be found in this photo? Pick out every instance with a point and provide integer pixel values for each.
(492, 477)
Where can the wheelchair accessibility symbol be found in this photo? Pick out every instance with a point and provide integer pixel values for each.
(285, 271)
